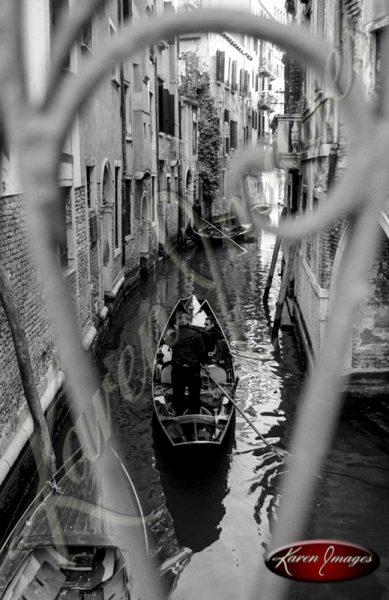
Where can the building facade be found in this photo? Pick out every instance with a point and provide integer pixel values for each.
(313, 151)
(246, 78)
(122, 175)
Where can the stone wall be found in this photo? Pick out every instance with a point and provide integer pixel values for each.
(370, 348)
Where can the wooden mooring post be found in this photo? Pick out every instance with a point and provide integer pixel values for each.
(273, 263)
(291, 253)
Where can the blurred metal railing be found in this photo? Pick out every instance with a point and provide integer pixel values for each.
(36, 132)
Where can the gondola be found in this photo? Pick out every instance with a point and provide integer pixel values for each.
(262, 209)
(218, 384)
(222, 230)
(72, 542)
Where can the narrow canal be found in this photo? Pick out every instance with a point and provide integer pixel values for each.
(211, 519)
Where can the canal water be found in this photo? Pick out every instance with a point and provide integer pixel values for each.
(210, 517)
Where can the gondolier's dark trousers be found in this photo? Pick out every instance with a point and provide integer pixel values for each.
(183, 377)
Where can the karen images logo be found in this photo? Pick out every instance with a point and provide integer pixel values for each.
(322, 561)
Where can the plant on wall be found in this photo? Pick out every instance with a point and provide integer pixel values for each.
(196, 85)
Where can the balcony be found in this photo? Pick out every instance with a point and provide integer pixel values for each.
(266, 68)
(287, 140)
(267, 101)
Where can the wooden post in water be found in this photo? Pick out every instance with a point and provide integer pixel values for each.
(291, 252)
(272, 268)
(18, 333)
(274, 259)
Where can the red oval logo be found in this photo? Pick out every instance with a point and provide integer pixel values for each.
(322, 561)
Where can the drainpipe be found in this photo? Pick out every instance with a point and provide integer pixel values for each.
(334, 149)
(160, 221)
(123, 114)
(124, 154)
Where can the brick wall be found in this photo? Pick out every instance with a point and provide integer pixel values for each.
(84, 306)
(15, 256)
(329, 242)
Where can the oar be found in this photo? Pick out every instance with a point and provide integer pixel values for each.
(224, 234)
(275, 449)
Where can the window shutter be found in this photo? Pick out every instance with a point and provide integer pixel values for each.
(234, 75)
(217, 65)
(222, 66)
(166, 111)
(171, 115)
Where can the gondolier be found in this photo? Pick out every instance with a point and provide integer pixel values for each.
(189, 353)
(211, 411)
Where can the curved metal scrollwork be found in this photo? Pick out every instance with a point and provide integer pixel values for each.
(37, 132)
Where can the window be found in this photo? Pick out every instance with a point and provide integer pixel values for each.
(228, 80)
(226, 116)
(246, 83)
(220, 65)
(166, 110)
(127, 208)
(151, 109)
(90, 186)
(234, 74)
(233, 135)
(378, 58)
(194, 132)
(66, 247)
(153, 212)
(128, 94)
(168, 191)
(241, 81)
(117, 214)
(127, 10)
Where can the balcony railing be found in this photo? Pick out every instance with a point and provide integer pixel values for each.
(267, 101)
(266, 68)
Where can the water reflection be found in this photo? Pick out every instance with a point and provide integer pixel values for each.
(195, 486)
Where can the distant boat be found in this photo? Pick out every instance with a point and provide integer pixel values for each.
(262, 209)
(221, 230)
(72, 541)
(211, 425)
